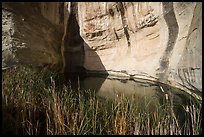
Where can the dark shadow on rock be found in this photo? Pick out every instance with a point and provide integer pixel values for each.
(35, 40)
(76, 51)
(78, 75)
(173, 28)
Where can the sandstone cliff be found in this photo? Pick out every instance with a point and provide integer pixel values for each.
(31, 33)
(148, 40)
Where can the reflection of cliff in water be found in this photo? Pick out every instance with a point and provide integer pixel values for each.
(146, 95)
(106, 87)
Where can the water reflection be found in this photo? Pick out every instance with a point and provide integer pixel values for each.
(110, 88)
(146, 94)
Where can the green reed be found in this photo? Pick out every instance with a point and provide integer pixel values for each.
(36, 102)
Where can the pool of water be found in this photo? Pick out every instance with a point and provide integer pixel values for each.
(145, 94)
(112, 88)
(147, 99)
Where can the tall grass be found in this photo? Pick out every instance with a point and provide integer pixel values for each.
(35, 102)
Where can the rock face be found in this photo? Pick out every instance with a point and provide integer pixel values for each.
(30, 34)
(155, 41)
(146, 40)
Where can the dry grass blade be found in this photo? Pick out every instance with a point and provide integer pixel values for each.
(33, 103)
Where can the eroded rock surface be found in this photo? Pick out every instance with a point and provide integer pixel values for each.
(155, 41)
(31, 35)
(149, 40)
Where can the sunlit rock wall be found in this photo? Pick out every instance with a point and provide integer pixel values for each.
(151, 40)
